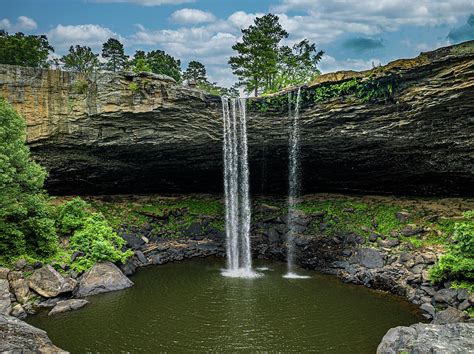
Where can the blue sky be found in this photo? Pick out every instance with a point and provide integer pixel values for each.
(355, 34)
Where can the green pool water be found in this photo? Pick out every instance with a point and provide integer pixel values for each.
(190, 306)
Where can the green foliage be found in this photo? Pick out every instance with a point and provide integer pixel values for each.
(71, 216)
(458, 263)
(81, 86)
(81, 59)
(114, 53)
(195, 73)
(133, 86)
(24, 50)
(98, 242)
(90, 233)
(25, 224)
(296, 66)
(256, 62)
(158, 62)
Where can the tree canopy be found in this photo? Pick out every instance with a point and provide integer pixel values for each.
(25, 225)
(114, 53)
(158, 62)
(196, 72)
(262, 65)
(80, 58)
(24, 50)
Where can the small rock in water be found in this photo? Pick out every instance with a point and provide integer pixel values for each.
(68, 305)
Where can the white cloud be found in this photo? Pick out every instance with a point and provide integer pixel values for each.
(330, 64)
(22, 23)
(148, 2)
(192, 16)
(380, 15)
(61, 37)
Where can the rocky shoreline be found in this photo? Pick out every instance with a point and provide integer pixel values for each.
(378, 262)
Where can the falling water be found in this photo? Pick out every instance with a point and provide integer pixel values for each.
(236, 188)
(294, 180)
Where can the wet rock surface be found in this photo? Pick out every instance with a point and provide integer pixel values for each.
(17, 336)
(68, 305)
(429, 338)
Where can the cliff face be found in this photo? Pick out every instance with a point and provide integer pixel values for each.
(120, 133)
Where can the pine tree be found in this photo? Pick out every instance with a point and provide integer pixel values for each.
(80, 59)
(113, 51)
(196, 72)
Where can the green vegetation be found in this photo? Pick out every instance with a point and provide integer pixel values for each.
(24, 50)
(25, 223)
(262, 65)
(114, 53)
(81, 59)
(133, 86)
(457, 265)
(158, 62)
(81, 86)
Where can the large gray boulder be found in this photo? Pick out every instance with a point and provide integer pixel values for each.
(5, 302)
(47, 282)
(423, 338)
(103, 277)
(17, 336)
(368, 258)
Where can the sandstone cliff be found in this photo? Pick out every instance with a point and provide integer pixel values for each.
(125, 133)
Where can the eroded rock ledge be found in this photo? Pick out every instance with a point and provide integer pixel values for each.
(116, 133)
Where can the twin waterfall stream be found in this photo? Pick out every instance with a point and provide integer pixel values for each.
(236, 186)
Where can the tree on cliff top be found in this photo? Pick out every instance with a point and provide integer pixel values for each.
(25, 225)
(196, 73)
(81, 59)
(262, 65)
(113, 51)
(257, 59)
(158, 62)
(24, 50)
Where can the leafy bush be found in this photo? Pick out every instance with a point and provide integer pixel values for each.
(71, 216)
(26, 226)
(98, 242)
(457, 264)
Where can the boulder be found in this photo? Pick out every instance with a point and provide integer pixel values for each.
(450, 315)
(446, 296)
(423, 338)
(368, 257)
(4, 272)
(403, 216)
(18, 311)
(5, 301)
(428, 308)
(17, 336)
(103, 277)
(20, 264)
(47, 282)
(393, 242)
(21, 290)
(68, 305)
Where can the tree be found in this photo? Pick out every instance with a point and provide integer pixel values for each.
(80, 58)
(196, 72)
(20, 49)
(257, 59)
(113, 51)
(139, 62)
(25, 223)
(297, 65)
(163, 63)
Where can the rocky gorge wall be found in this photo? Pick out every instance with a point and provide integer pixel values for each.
(129, 133)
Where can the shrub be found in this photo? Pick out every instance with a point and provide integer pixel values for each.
(72, 215)
(98, 242)
(457, 264)
(26, 226)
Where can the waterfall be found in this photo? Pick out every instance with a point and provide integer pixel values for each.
(294, 179)
(236, 189)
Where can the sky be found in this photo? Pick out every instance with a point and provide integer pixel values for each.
(354, 34)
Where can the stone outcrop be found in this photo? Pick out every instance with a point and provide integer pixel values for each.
(68, 305)
(17, 336)
(103, 277)
(428, 338)
(47, 282)
(116, 133)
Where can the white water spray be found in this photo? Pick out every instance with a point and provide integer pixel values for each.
(294, 180)
(236, 189)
